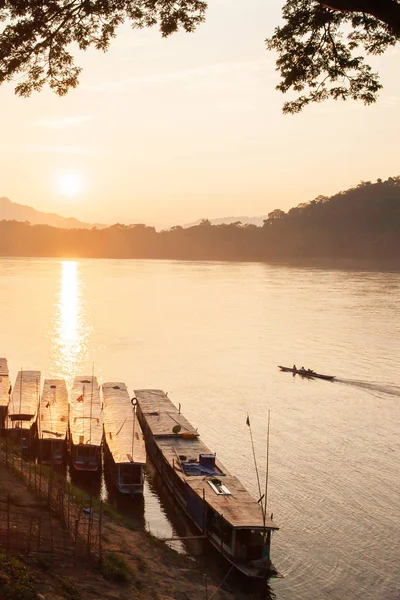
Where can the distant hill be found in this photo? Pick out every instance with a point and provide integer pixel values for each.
(361, 223)
(11, 211)
(229, 220)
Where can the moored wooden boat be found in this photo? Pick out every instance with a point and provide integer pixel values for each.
(4, 391)
(85, 430)
(216, 501)
(125, 451)
(52, 422)
(23, 407)
(306, 373)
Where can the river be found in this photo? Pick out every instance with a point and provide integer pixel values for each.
(212, 335)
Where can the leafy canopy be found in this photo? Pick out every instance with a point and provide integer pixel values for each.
(321, 51)
(321, 45)
(36, 40)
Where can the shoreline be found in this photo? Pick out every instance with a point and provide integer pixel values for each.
(323, 263)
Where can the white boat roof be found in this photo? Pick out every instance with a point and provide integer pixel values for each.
(86, 416)
(25, 395)
(237, 507)
(122, 432)
(53, 410)
(4, 382)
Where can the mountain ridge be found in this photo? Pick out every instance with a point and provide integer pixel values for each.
(12, 211)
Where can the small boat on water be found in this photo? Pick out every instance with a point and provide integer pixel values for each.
(5, 391)
(124, 446)
(307, 373)
(23, 407)
(85, 424)
(52, 422)
(215, 500)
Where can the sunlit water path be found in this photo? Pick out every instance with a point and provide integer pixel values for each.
(212, 335)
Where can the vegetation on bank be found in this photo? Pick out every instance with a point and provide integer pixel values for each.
(359, 223)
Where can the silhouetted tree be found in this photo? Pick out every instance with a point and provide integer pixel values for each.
(362, 222)
(318, 46)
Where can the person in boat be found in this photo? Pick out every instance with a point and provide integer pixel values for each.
(302, 369)
(294, 368)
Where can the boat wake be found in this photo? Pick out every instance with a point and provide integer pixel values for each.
(372, 386)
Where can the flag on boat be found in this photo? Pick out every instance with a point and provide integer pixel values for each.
(79, 398)
(248, 421)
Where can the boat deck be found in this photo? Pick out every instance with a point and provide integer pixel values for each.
(182, 451)
(122, 432)
(24, 401)
(86, 417)
(53, 410)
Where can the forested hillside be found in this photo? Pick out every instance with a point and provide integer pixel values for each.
(360, 223)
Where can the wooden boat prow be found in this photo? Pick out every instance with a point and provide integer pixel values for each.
(24, 400)
(85, 424)
(52, 421)
(124, 445)
(4, 390)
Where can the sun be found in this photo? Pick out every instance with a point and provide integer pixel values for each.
(70, 184)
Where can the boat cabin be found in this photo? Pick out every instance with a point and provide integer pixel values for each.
(125, 451)
(52, 422)
(85, 424)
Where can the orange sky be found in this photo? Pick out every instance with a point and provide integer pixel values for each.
(168, 131)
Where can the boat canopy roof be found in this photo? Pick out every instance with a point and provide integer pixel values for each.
(122, 432)
(53, 410)
(161, 414)
(198, 467)
(86, 416)
(4, 382)
(24, 399)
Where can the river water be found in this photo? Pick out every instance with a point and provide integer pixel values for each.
(212, 335)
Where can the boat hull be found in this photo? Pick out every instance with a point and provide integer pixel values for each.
(307, 374)
(183, 496)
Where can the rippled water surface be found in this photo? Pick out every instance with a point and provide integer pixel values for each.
(212, 335)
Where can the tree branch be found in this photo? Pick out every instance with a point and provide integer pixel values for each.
(387, 11)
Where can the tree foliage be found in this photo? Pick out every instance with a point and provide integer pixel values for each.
(321, 51)
(321, 46)
(36, 40)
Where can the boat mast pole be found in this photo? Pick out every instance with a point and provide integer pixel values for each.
(91, 403)
(255, 461)
(133, 428)
(266, 545)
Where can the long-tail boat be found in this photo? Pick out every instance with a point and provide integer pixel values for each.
(125, 450)
(85, 424)
(215, 500)
(306, 373)
(5, 391)
(23, 407)
(52, 422)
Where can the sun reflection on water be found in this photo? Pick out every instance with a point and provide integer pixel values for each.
(70, 333)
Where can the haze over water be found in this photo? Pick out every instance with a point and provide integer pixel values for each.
(212, 335)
